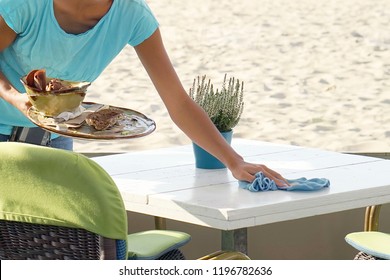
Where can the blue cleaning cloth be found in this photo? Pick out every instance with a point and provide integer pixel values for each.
(263, 183)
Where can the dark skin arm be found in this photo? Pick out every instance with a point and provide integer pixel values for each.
(7, 91)
(183, 111)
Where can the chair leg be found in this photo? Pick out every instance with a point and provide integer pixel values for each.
(160, 223)
(371, 219)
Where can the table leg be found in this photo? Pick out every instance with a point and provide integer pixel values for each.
(160, 223)
(235, 240)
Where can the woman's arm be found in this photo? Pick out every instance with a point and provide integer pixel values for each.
(7, 91)
(188, 115)
(7, 35)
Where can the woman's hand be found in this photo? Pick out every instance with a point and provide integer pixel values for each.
(12, 96)
(244, 171)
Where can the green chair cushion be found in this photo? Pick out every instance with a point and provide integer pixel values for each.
(371, 242)
(150, 245)
(56, 187)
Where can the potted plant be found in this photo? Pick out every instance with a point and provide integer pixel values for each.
(224, 108)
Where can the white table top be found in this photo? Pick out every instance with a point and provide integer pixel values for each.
(165, 183)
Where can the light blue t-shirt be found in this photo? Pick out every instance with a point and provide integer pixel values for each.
(42, 44)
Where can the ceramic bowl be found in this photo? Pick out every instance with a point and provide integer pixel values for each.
(53, 103)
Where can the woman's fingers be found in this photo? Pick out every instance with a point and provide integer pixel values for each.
(273, 175)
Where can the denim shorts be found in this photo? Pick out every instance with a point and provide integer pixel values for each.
(60, 142)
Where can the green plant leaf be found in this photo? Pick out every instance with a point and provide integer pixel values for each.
(224, 107)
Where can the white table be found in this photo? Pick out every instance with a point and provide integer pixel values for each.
(165, 183)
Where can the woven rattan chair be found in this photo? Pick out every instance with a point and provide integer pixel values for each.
(56, 204)
(371, 243)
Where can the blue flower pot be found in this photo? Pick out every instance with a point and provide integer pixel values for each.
(205, 160)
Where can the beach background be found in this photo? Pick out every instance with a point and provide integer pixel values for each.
(316, 72)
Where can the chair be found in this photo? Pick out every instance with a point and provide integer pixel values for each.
(371, 243)
(57, 204)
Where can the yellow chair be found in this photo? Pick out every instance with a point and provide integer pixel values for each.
(371, 243)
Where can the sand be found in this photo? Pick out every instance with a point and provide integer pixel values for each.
(316, 73)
